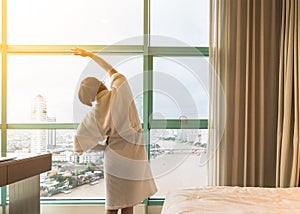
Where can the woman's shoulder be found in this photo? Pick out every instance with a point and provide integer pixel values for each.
(117, 79)
(116, 76)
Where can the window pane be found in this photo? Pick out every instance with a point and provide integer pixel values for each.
(72, 175)
(44, 88)
(187, 21)
(180, 88)
(45, 81)
(73, 21)
(178, 158)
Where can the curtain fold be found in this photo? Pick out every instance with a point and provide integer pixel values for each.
(244, 57)
(288, 154)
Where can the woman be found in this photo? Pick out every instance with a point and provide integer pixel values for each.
(114, 118)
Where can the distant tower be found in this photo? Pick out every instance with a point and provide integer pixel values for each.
(51, 135)
(39, 115)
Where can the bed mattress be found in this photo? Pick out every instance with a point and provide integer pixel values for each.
(233, 200)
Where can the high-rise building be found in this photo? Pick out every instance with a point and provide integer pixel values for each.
(51, 135)
(39, 115)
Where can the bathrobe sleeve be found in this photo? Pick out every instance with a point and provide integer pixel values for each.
(88, 133)
(117, 80)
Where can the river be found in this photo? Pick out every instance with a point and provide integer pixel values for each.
(171, 171)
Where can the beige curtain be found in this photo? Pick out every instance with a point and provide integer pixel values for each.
(288, 150)
(244, 55)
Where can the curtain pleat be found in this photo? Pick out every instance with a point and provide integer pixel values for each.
(288, 154)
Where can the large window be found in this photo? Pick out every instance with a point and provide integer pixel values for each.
(160, 46)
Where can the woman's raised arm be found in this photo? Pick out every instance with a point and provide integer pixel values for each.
(106, 66)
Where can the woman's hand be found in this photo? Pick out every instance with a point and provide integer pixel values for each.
(106, 66)
(99, 147)
(82, 52)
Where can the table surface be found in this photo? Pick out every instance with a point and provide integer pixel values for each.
(23, 167)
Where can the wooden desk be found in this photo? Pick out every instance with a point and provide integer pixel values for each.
(23, 177)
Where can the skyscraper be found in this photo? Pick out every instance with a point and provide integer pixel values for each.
(39, 115)
(51, 134)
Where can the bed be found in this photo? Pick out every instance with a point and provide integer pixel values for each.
(240, 200)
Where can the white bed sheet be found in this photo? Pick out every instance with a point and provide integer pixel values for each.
(233, 200)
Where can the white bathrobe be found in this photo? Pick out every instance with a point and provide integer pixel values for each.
(128, 177)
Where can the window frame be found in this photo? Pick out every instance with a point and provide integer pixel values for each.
(148, 53)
